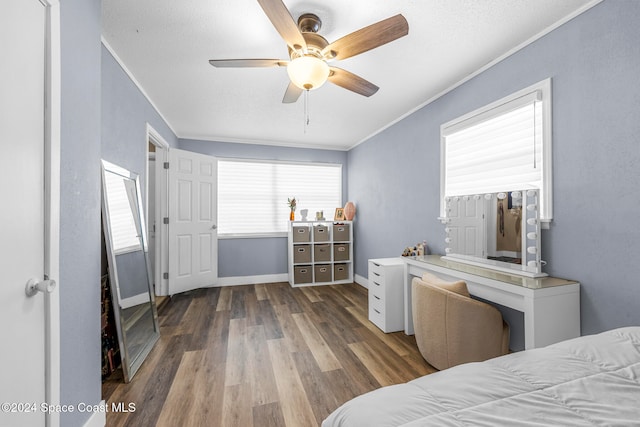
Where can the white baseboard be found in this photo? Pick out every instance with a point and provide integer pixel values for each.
(250, 280)
(134, 300)
(362, 281)
(98, 418)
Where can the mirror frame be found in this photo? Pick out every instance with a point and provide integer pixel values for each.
(130, 362)
(531, 263)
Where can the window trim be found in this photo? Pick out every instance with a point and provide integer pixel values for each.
(498, 107)
(275, 234)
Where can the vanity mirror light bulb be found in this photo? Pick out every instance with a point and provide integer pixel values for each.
(531, 193)
(447, 250)
(531, 207)
(532, 221)
(477, 197)
(447, 240)
(532, 249)
(502, 196)
(465, 198)
(447, 230)
(488, 196)
(516, 195)
(532, 236)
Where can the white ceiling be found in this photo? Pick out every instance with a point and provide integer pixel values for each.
(165, 45)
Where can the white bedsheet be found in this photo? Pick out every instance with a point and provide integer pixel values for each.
(588, 381)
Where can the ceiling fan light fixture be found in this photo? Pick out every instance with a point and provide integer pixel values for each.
(308, 72)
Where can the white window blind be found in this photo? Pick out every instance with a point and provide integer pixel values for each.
(252, 195)
(122, 205)
(502, 147)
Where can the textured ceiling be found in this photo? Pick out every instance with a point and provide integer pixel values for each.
(166, 44)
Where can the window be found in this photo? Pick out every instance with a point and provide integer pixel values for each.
(252, 195)
(123, 213)
(504, 146)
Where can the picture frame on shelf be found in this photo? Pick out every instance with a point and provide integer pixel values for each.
(339, 216)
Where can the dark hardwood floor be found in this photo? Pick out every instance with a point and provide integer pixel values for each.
(262, 355)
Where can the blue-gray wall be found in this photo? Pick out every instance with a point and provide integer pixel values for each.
(237, 257)
(125, 114)
(594, 63)
(80, 207)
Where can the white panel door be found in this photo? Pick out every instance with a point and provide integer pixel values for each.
(193, 234)
(22, 216)
(467, 226)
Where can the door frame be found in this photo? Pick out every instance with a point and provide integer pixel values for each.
(52, 207)
(161, 199)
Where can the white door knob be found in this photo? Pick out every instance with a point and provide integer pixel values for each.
(34, 286)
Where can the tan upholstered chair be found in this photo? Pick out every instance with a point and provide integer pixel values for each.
(452, 328)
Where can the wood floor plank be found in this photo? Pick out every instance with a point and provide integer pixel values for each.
(385, 374)
(237, 410)
(224, 299)
(262, 355)
(237, 352)
(321, 351)
(269, 415)
(260, 372)
(320, 392)
(295, 406)
(180, 399)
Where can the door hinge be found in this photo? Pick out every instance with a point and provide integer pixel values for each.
(166, 165)
(165, 276)
(165, 220)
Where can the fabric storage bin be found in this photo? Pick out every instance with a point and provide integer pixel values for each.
(301, 253)
(302, 274)
(341, 252)
(341, 232)
(320, 233)
(323, 273)
(340, 272)
(322, 252)
(301, 233)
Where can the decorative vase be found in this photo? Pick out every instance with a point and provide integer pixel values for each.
(349, 211)
(292, 215)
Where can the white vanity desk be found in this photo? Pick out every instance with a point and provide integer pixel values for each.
(551, 306)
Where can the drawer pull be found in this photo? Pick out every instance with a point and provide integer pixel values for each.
(376, 311)
(376, 274)
(376, 297)
(377, 265)
(301, 250)
(376, 283)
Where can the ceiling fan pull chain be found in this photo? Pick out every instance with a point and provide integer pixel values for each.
(306, 110)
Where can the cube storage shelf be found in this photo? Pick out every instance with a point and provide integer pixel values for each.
(320, 252)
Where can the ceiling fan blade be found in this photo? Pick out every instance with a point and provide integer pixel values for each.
(238, 63)
(281, 18)
(292, 94)
(352, 82)
(367, 38)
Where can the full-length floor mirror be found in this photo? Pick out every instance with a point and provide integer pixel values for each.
(129, 273)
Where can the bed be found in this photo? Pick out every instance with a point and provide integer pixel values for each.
(588, 381)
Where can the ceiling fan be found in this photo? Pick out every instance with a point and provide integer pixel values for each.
(309, 52)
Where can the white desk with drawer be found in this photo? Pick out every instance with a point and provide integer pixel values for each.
(551, 306)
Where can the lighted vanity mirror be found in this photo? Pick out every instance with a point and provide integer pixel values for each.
(131, 286)
(496, 230)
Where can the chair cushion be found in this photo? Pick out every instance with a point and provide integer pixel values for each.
(459, 287)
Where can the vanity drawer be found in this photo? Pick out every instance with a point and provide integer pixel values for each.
(386, 293)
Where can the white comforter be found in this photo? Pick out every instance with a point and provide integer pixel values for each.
(588, 381)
